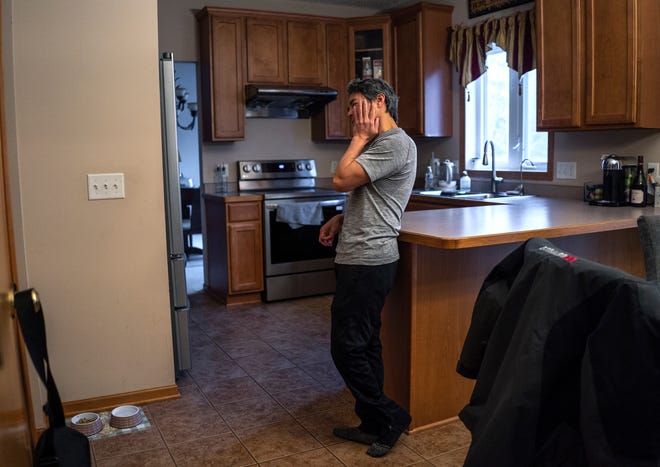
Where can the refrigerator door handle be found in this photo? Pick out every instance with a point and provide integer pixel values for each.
(178, 282)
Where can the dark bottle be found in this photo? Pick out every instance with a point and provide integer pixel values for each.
(638, 188)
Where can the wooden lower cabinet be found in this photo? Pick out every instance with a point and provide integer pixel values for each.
(234, 249)
(428, 312)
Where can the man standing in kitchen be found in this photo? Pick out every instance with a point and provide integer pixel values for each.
(378, 170)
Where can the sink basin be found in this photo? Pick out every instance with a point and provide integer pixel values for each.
(472, 196)
(483, 195)
(431, 192)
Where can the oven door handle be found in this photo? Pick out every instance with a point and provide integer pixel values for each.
(328, 202)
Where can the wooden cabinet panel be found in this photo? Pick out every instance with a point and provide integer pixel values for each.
(221, 60)
(597, 64)
(423, 74)
(333, 122)
(245, 257)
(408, 68)
(266, 50)
(241, 212)
(559, 85)
(306, 52)
(611, 57)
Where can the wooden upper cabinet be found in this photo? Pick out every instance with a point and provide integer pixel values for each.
(284, 51)
(266, 50)
(332, 123)
(559, 63)
(423, 74)
(221, 62)
(306, 52)
(598, 63)
(611, 57)
(370, 47)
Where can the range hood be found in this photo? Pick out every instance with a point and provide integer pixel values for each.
(271, 101)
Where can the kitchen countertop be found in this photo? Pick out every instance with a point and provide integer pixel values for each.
(232, 196)
(506, 220)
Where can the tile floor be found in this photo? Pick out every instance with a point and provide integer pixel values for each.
(264, 391)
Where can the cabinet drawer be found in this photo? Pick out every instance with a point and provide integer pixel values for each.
(239, 212)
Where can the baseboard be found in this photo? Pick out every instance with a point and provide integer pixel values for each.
(99, 404)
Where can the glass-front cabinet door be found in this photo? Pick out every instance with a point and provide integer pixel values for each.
(370, 47)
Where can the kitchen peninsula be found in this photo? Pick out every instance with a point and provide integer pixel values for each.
(445, 256)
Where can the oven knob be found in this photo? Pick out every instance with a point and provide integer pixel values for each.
(308, 166)
(246, 168)
(299, 166)
(256, 168)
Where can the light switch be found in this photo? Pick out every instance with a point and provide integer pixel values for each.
(105, 186)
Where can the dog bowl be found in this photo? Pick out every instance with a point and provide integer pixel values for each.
(88, 423)
(125, 416)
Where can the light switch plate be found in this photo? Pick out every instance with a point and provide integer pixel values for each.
(655, 166)
(566, 170)
(105, 186)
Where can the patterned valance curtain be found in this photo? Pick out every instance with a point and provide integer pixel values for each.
(515, 34)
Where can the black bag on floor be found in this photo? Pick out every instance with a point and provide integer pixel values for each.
(59, 445)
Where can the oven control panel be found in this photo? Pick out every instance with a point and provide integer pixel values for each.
(273, 169)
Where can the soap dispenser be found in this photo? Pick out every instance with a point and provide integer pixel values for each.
(465, 182)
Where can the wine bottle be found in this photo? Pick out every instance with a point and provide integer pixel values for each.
(638, 188)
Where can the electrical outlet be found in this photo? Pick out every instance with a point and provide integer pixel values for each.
(105, 186)
(655, 166)
(333, 167)
(566, 170)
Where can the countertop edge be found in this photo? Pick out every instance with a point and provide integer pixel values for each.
(559, 226)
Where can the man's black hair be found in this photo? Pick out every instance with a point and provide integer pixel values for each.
(371, 87)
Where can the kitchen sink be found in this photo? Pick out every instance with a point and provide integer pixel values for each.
(472, 196)
(483, 195)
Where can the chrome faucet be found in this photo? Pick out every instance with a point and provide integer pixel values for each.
(494, 179)
(525, 162)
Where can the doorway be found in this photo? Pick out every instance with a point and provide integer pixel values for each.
(185, 75)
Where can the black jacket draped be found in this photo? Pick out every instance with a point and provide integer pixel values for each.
(566, 354)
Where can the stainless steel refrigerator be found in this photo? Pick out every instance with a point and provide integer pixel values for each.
(176, 258)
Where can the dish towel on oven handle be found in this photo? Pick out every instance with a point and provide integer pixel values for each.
(299, 214)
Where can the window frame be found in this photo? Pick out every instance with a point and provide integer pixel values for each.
(506, 174)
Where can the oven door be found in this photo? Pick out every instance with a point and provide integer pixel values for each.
(289, 250)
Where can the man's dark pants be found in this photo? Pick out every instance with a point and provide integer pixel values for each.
(355, 341)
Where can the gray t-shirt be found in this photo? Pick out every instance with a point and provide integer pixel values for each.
(372, 218)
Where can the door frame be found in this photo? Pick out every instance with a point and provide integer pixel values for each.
(6, 208)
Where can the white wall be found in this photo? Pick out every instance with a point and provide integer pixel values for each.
(178, 31)
(82, 97)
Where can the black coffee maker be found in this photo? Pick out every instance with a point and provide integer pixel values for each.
(614, 190)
